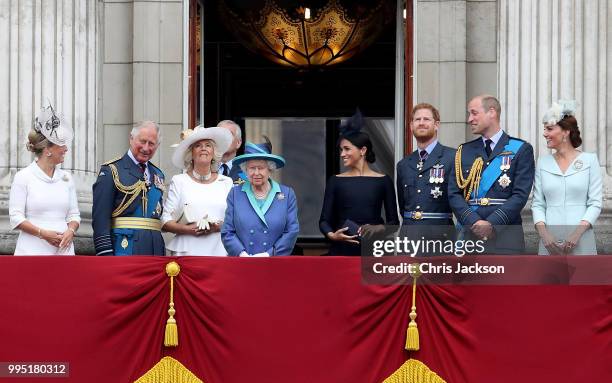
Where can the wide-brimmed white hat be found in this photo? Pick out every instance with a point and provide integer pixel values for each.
(221, 136)
(53, 126)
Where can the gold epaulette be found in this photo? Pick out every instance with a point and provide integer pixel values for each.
(113, 160)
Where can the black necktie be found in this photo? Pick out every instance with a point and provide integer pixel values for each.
(225, 170)
(488, 149)
(143, 167)
(423, 155)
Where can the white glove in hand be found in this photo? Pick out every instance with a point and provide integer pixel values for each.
(261, 255)
(243, 254)
(204, 223)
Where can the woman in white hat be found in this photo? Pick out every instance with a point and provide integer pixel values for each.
(43, 203)
(196, 202)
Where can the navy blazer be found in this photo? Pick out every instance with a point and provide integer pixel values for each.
(106, 198)
(414, 189)
(274, 232)
(521, 174)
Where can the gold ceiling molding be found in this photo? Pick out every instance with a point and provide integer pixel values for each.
(291, 37)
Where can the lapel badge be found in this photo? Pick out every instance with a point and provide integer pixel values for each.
(124, 243)
(504, 181)
(280, 196)
(65, 178)
(578, 164)
(239, 181)
(436, 192)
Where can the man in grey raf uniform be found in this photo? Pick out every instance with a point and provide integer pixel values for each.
(127, 199)
(422, 177)
(493, 179)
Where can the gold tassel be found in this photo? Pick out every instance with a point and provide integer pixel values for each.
(171, 336)
(168, 370)
(414, 371)
(412, 333)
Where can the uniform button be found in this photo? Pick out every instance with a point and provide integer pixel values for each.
(418, 207)
(265, 243)
(251, 243)
(265, 231)
(405, 186)
(420, 175)
(251, 231)
(487, 162)
(418, 191)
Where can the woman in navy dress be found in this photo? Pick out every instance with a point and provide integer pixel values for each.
(354, 199)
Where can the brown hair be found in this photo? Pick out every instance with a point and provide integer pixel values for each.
(424, 105)
(489, 102)
(37, 142)
(570, 124)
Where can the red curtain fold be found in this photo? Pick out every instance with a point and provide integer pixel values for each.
(292, 319)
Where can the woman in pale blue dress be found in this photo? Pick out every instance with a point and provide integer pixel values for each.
(568, 187)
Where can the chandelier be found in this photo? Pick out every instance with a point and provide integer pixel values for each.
(304, 37)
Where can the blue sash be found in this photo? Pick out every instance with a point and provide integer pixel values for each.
(493, 171)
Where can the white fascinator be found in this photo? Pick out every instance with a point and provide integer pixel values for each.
(558, 110)
(53, 127)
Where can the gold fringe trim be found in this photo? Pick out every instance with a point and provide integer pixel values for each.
(412, 333)
(169, 370)
(472, 181)
(171, 335)
(414, 371)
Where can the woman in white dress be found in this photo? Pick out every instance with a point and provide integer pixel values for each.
(43, 202)
(567, 197)
(196, 202)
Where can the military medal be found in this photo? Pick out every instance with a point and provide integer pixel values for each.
(158, 182)
(124, 243)
(578, 164)
(505, 163)
(504, 181)
(432, 176)
(420, 165)
(158, 209)
(439, 173)
(436, 192)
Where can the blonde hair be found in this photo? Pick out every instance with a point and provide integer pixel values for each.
(37, 142)
(188, 160)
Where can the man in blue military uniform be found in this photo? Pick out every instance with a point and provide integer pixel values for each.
(493, 178)
(422, 182)
(127, 199)
(422, 177)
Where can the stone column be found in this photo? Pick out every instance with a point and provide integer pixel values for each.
(48, 53)
(558, 49)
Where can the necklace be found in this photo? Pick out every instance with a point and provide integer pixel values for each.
(261, 195)
(200, 177)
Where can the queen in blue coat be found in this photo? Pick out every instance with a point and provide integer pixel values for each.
(261, 217)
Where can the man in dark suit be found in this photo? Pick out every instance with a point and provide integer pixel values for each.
(422, 181)
(226, 168)
(127, 199)
(493, 178)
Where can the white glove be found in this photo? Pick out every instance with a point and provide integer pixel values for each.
(243, 254)
(204, 223)
(261, 255)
